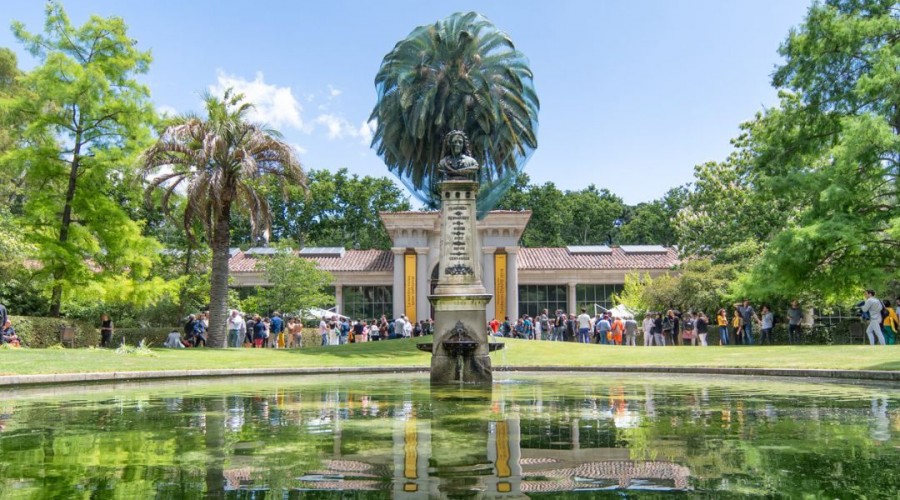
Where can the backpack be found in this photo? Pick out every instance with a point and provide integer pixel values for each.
(189, 327)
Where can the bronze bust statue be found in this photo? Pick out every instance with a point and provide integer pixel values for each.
(457, 163)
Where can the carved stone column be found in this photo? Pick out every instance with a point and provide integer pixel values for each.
(460, 349)
(571, 303)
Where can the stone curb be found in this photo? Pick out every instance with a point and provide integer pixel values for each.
(75, 378)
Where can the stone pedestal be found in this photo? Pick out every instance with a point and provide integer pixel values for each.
(460, 348)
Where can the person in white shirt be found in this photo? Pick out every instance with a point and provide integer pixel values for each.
(323, 331)
(872, 306)
(647, 326)
(236, 329)
(584, 327)
(400, 326)
(407, 328)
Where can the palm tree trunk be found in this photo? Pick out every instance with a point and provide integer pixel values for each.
(218, 285)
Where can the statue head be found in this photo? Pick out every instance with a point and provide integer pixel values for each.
(456, 143)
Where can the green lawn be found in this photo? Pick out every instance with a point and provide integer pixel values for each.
(403, 353)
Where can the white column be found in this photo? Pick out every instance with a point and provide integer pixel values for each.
(339, 297)
(570, 300)
(512, 283)
(423, 306)
(488, 277)
(399, 297)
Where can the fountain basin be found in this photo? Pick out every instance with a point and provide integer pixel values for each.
(455, 347)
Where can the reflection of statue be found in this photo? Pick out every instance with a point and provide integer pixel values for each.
(457, 162)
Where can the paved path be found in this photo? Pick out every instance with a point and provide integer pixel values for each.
(76, 378)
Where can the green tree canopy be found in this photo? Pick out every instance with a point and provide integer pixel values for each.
(86, 119)
(219, 161)
(461, 73)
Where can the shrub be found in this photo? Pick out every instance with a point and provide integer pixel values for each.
(42, 332)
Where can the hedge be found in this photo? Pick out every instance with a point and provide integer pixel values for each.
(39, 332)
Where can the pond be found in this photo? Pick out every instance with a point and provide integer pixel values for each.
(547, 435)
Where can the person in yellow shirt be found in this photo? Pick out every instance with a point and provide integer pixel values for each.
(891, 324)
(722, 322)
(738, 324)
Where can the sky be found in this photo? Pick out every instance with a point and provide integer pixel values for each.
(633, 94)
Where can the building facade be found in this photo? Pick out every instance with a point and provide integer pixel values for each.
(369, 283)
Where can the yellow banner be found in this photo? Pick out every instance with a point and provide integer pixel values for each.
(410, 287)
(503, 468)
(410, 448)
(500, 286)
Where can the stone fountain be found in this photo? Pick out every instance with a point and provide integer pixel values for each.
(460, 351)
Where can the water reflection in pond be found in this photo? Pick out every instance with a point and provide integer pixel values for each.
(392, 436)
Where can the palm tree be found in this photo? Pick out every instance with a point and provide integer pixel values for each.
(216, 162)
(461, 73)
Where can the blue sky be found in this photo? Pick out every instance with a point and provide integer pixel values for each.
(633, 94)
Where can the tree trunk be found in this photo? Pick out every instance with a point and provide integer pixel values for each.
(187, 272)
(56, 296)
(218, 289)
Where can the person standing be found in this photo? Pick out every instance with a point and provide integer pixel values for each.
(668, 326)
(323, 330)
(276, 324)
(235, 326)
(647, 326)
(584, 326)
(872, 306)
(795, 317)
(630, 330)
(702, 325)
(737, 327)
(766, 325)
(106, 330)
(748, 316)
(687, 332)
(891, 324)
(199, 333)
(658, 336)
(4, 314)
(722, 323)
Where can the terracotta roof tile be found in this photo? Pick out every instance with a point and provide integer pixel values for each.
(353, 260)
(560, 258)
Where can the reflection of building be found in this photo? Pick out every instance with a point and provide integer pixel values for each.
(522, 280)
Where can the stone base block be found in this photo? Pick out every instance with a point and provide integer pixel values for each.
(476, 370)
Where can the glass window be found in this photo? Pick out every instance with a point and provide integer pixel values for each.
(589, 296)
(535, 298)
(367, 302)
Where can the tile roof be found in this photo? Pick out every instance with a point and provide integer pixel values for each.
(560, 258)
(528, 259)
(353, 260)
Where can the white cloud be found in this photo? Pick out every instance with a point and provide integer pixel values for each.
(340, 128)
(333, 91)
(165, 109)
(274, 105)
(300, 150)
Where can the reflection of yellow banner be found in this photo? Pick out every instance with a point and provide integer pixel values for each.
(500, 286)
(503, 469)
(410, 287)
(410, 452)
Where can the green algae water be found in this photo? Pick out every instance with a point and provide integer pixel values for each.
(546, 435)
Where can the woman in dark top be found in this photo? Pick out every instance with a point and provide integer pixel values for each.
(106, 331)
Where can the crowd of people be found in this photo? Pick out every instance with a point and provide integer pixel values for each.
(674, 327)
(279, 332)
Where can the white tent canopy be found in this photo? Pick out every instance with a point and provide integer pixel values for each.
(620, 311)
(317, 313)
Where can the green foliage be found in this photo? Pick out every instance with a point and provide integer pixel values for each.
(87, 118)
(336, 210)
(296, 283)
(698, 285)
(812, 189)
(38, 332)
(461, 73)
(220, 161)
(653, 223)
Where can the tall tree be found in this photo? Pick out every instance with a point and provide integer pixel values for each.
(654, 223)
(218, 161)
(338, 209)
(87, 118)
(461, 73)
(833, 148)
